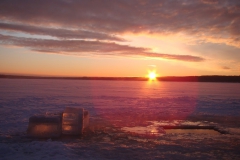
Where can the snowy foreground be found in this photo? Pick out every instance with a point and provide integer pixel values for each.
(113, 144)
(125, 119)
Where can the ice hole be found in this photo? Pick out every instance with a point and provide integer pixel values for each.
(161, 131)
(192, 131)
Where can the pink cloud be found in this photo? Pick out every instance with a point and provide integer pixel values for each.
(225, 67)
(59, 33)
(113, 16)
(83, 47)
(206, 20)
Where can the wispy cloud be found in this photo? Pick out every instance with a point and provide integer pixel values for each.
(225, 67)
(114, 16)
(59, 33)
(152, 65)
(83, 47)
(215, 21)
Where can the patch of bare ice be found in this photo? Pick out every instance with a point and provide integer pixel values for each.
(234, 131)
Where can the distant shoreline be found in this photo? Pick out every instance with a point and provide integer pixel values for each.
(214, 78)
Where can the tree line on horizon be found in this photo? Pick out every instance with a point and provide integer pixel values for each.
(210, 78)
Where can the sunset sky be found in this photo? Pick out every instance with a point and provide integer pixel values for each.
(117, 38)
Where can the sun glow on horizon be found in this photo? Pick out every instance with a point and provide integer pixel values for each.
(152, 75)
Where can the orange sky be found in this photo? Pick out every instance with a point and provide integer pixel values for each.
(120, 38)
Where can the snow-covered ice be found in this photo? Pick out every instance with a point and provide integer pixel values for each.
(113, 105)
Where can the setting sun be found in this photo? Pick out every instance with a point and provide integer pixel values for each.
(152, 75)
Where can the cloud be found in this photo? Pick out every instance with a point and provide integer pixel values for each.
(216, 51)
(59, 33)
(208, 20)
(210, 1)
(90, 27)
(152, 65)
(83, 47)
(225, 67)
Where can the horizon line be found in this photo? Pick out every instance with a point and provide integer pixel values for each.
(202, 78)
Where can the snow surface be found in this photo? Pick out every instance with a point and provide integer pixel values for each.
(113, 105)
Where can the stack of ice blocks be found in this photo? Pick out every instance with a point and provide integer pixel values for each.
(71, 122)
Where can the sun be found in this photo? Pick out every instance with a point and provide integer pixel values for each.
(152, 75)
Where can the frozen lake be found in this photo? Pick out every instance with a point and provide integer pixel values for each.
(118, 104)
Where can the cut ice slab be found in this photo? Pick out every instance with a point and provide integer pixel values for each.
(74, 121)
(44, 126)
(71, 122)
